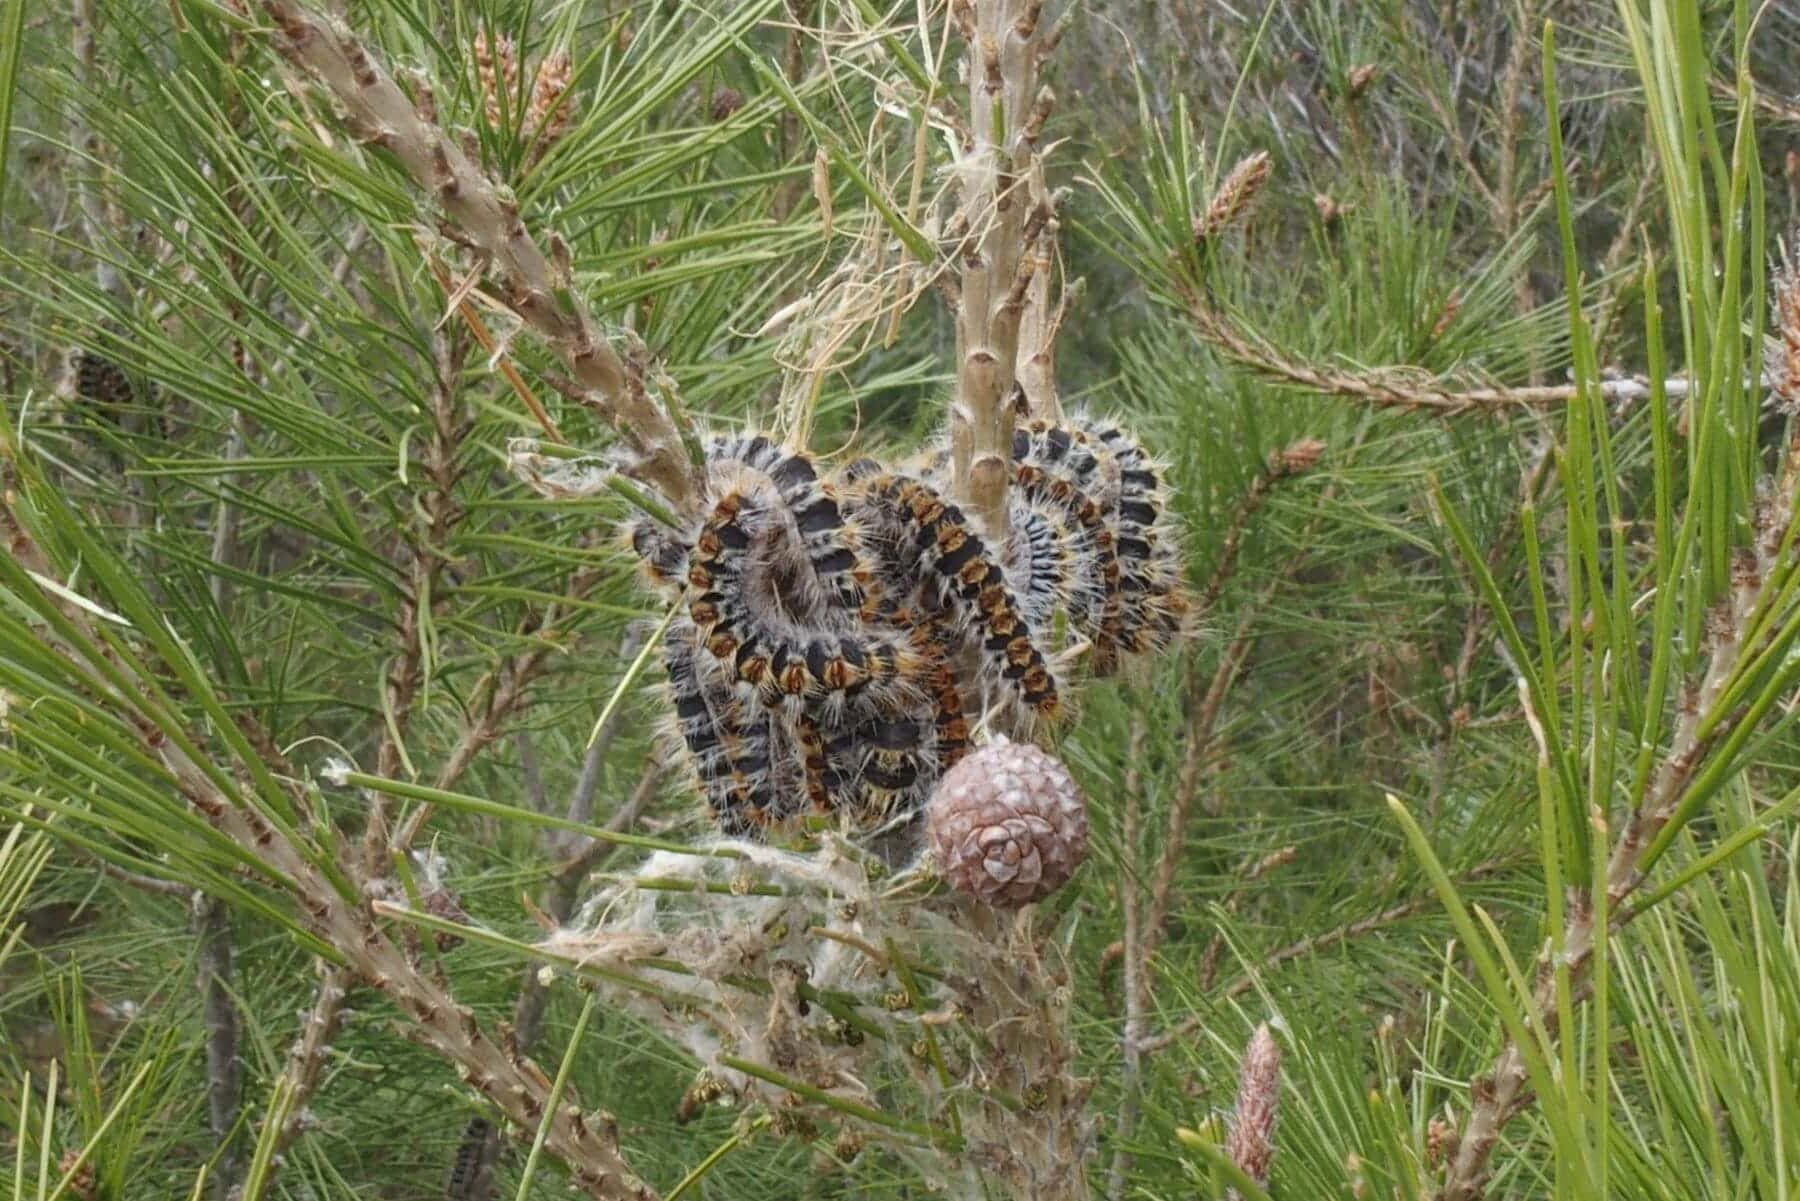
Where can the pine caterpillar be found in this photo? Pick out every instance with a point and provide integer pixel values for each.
(830, 630)
(1153, 600)
(1040, 563)
(661, 555)
(735, 603)
(727, 746)
(1055, 470)
(470, 1149)
(880, 766)
(827, 542)
(931, 540)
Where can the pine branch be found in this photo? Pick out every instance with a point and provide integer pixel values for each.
(1312, 944)
(1500, 1094)
(1007, 214)
(513, 1082)
(1393, 388)
(498, 696)
(97, 223)
(558, 902)
(527, 282)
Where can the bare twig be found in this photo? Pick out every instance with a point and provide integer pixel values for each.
(1145, 917)
(424, 549)
(96, 225)
(1315, 943)
(1395, 388)
(1006, 210)
(154, 885)
(559, 902)
(565, 882)
(515, 1084)
(531, 777)
(1282, 464)
(496, 697)
(224, 1071)
(1253, 871)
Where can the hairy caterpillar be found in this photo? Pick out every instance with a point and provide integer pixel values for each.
(930, 540)
(727, 746)
(830, 630)
(735, 604)
(1153, 601)
(470, 1149)
(825, 540)
(1062, 467)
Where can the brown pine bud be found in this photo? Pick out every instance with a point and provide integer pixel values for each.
(1233, 196)
(1360, 78)
(1446, 315)
(1441, 1141)
(497, 66)
(550, 113)
(81, 1184)
(1297, 457)
(1251, 1141)
(1008, 824)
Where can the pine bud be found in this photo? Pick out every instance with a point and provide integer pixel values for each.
(1008, 824)
(725, 102)
(1233, 196)
(80, 1172)
(497, 67)
(549, 116)
(1297, 457)
(1251, 1142)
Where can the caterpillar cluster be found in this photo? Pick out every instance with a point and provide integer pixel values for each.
(834, 632)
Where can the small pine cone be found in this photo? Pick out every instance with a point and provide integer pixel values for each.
(1008, 824)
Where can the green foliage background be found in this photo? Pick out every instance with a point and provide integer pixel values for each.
(172, 204)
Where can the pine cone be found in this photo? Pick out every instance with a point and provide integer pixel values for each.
(1008, 824)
